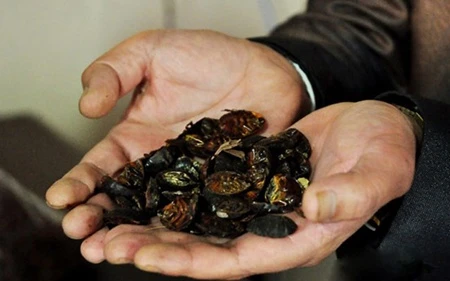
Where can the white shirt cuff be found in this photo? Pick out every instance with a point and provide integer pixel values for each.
(309, 88)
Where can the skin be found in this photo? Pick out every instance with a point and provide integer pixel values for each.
(363, 153)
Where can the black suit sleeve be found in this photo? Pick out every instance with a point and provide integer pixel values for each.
(351, 50)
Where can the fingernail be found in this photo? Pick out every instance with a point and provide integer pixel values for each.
(149, 268)
(57, 207)
(121, 261)
(326, 206)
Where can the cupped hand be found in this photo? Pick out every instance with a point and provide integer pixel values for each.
(177, 77)
(363, 156)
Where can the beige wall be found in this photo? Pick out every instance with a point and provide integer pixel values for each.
(45, 45)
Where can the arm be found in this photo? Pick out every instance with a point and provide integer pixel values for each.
(350, 50)
(354, 51)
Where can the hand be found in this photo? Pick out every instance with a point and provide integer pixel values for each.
(363, 157)
(364, 153)
(179, 76)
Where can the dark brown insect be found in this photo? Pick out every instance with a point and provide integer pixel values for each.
(124, 216)
(232, 207)
(161, 159)
(189, 166)
(284, 191)
(210, 224)
(205, 127)
(226, 183)
(152, 196)
(122, 195)
(200, 139)
(178, 214)
(288, 139)
(248, 142)
(297, 167)
(132, 174)
(218, 177)
(196, 145)
(174, 180)
(258, 176)
(173, 194)
(259, 155)
(274, 226)
(223, 162)
(241, 123)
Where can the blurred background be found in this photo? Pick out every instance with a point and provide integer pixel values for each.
(45, 45)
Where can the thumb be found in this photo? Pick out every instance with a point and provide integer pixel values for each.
(115, 73)
(101, 91)
(358, 193)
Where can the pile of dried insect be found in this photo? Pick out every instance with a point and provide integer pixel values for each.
(218, 177)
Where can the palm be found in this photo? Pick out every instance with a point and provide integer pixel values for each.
(187, 75)
(186, 80)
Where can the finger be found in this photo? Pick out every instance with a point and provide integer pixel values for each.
(203, 260)
(372, 182)
(114, 74)
(87, 218)
(101, 200)
(76, 186)
(123, 241)
(123, 247)
(196, 260)
(79, 183)
(92, 247)
(102, 91)
(82, 221)
(181, 254)
(122, 229)
(156, 229)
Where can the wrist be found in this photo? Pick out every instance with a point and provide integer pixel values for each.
(410, 110)
(416, 121)
(308, 93)
(308, 90)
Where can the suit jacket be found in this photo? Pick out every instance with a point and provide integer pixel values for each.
(357, 49)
